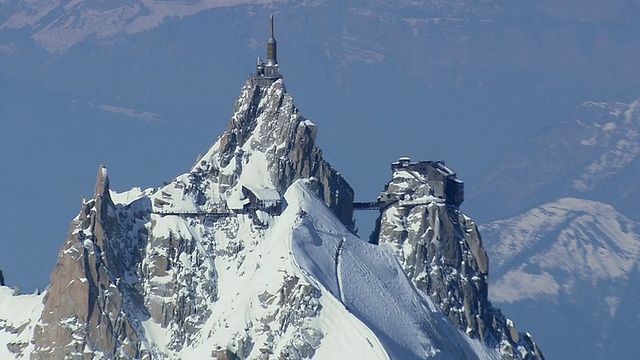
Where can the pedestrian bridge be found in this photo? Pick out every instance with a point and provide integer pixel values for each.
(373, 205)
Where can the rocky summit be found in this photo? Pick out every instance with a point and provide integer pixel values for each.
(252, 255)
(441, 251)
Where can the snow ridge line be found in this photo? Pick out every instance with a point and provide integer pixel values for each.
(339, 268)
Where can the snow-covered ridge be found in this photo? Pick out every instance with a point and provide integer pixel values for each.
(371, 284)
(548, 246)
(618, 135)
(61, 24)
(18, 317)
(128, 197)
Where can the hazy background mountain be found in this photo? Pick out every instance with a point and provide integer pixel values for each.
(569, 269)
(593, 154)
(492, 87)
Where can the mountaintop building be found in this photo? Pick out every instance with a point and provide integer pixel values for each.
(441, 179)
(267, 72)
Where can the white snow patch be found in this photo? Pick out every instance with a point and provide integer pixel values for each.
(18, 317)
(519, 285)
(127, 197)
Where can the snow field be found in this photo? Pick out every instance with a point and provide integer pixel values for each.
(373, 285)
(18, 317)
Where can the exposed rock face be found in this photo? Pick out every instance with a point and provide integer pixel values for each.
(266, 121)
(289, 142)
(442, 252)
(86, 303)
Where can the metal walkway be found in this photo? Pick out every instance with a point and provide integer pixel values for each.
(193, 214)
(374, 205)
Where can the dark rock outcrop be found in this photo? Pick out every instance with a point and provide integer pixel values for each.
(266, 121)
(441, 251)
(85, 307)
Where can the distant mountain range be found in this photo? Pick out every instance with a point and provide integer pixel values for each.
(569, 271)
(595, 155)
(440, 42)
(56, 26)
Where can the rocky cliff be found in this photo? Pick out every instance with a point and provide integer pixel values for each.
(441, 251)
(267, 123)
(94, 288)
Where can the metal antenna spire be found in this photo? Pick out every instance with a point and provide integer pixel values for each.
(271, 26)
(267, 72)
(272, 57)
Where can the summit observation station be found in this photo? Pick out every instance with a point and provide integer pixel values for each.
(267, 72)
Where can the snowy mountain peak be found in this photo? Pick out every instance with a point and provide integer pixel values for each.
(266, 147)
(560, 244)
(168, 273)
(251, 255)
(573, 265)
